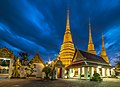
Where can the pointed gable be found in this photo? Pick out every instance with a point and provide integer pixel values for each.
(77, 56)
(37, 59)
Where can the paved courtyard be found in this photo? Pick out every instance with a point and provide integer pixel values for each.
(58, 83)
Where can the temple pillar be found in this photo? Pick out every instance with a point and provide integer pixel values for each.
(71, 73)
(91, 72)
(103, 72)
(86, 73)
(78, 72)
(63, 70)
(83, 70)
(112, 72)
(56, 75)
(108, 72)
(98, 70)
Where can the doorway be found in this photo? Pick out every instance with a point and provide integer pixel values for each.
(59, 73)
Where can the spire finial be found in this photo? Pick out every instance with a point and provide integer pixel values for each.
(90, 34)
(103, 41)
(68, 22)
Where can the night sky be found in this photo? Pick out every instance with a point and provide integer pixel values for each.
(39, 25)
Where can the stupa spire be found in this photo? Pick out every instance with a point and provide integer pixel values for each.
(68, 21)
(103, 47)
(90, 34)
(90, 43)
(67, 36)
(67, 48)
(103, 51)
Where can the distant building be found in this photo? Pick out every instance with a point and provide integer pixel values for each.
(39, 65)
(5, 56)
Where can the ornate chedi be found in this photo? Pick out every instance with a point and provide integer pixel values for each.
(90, 43)
(103, 51)
(67, 48)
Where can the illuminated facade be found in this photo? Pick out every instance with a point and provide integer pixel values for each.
(39, 65)
(6, 53)
(91, 48)
(103, 51)
(85, 64)
(37, 59)
(6, 61)
(67, 48)
(82, 64)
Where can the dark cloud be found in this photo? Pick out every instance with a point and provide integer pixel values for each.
(37, 25)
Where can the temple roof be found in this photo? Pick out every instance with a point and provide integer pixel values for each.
(92, 57)
(87, 63)
(82, 58)
(37, 59)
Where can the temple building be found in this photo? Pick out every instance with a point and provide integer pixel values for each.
(78, 63)
(6, 53)
(38, 65)
(67, 48)
(6, 56)
(37, 59)
(85, 64)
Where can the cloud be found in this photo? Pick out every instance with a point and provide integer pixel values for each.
(35, 25)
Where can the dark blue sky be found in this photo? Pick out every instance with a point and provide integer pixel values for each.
(39, 25)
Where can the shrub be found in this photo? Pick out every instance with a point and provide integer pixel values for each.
(113, 76)
(96, 77)
(47, 71)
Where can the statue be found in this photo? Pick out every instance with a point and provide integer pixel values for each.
(17, 66)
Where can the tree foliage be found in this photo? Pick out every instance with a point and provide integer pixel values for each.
(47, 71)
(96, 77)
(118, 63)
(24, 57)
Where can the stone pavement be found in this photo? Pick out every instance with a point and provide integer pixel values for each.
(107, 82)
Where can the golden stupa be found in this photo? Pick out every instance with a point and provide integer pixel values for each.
(103, 52)
(91, 48)
(67, 48)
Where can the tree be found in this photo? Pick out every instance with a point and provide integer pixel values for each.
(117, 68)
(24, 57)
(118, 63)
(96, 77)
(47, 71)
